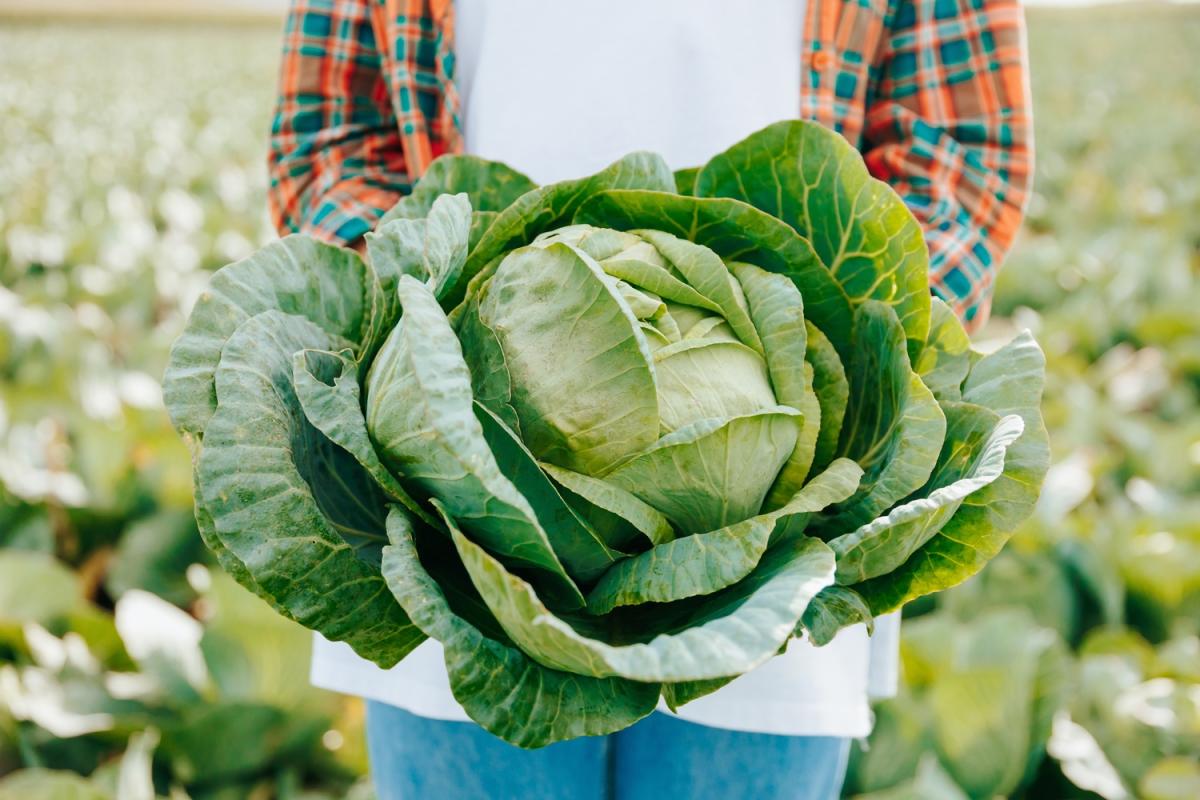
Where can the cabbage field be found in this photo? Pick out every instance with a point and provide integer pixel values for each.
(132, 164)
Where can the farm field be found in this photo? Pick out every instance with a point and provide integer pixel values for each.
(132, 164)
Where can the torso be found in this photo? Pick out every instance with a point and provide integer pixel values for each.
(559, 90)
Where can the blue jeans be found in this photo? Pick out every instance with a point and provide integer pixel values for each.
(659, 758)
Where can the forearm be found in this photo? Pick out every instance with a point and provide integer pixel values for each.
(336, 158)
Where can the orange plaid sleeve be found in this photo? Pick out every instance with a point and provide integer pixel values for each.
(949, 126)
(337, 159)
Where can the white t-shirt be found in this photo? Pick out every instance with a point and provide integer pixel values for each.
(559, 90)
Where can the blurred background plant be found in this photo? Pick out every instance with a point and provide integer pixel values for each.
(131, 667)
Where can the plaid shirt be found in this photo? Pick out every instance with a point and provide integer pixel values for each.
(933, 92)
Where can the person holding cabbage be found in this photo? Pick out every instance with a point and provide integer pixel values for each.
(933, 93)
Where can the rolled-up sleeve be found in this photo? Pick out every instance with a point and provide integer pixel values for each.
(336, 158)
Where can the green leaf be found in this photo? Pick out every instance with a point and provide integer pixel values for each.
(432, 248)
(614, 501)
(232, 565)
(552, 206)
(707, 274)
(930, 783)
(490, 187)
(946, 359)
(684, 692)
(421, 416)
(736, 232)
(685, 180)
(491, 380)
(892, 754)
(296, 275)
(1008, 381)
(701, 379)
(224, 742)
(447, 230)
(1053, 686)
(293, 508)
(326, 385)
(254, 653)
(836, 607)
(633, 259)
(813, 179)
(893, 428)
(1175, 777)
(985, 704)
(832, 390)
(501, 688)
(393, 250)
(153, 554)
(973, 457)
(27, 528)
(716, 637)
(480, 222)
(581, 550)
(707, 562)
(46, 784)
(714, 472)
(778, 313)
(604, 408)
(36, 587)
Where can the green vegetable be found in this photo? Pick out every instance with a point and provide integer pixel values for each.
(603, 440)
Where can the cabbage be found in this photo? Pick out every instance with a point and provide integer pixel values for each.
(607, 440)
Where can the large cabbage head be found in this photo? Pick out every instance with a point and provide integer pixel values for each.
(610, 440)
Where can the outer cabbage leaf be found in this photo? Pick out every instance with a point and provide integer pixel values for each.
(813, 179)
(490, 187)
(946, 359)
(894, 427)
(972, 458)
(421, 416)
(228, 561)
(684, 692)
(685, 180)
(726, 633)
(583, 551)
(296, 275)
(432, 248)
(295, 510)
(326, 385)
(832, 390)
(505, 691)
(707, 562)
(1008, 381)
(836, 607)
